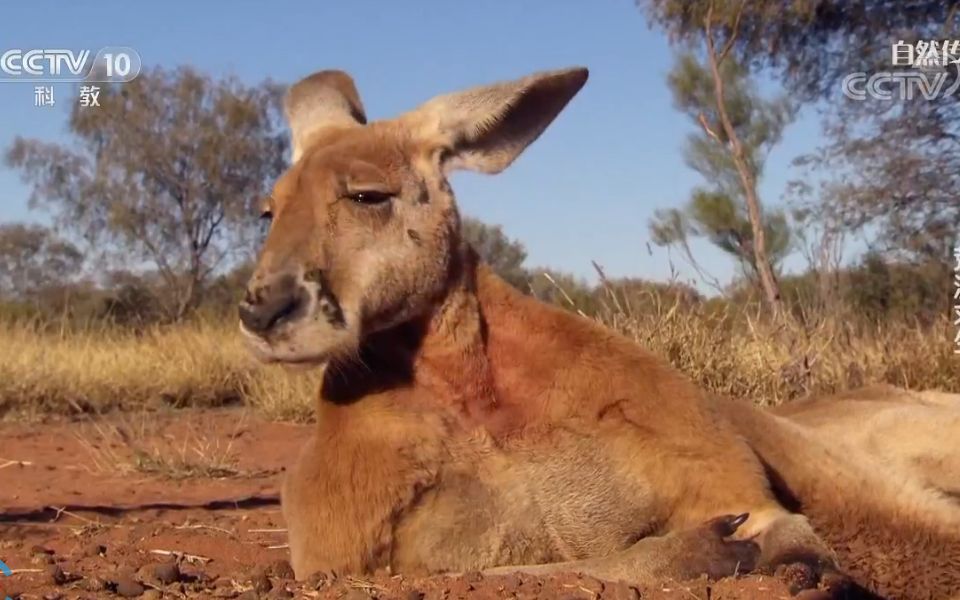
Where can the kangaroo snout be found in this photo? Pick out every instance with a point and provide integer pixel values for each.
(266, 305)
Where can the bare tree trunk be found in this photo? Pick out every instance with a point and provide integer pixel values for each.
(768, 280)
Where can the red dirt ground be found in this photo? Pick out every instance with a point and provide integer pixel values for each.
(72, 526)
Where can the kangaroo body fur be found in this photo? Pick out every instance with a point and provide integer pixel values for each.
(463, 425)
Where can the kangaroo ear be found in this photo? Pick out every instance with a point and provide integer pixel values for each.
(485, 128)
(322, 100)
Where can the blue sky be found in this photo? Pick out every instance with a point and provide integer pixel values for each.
(584, 191)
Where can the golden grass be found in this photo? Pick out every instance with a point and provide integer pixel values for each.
(205, 363)
(732, 352)
(102, 368)
(137, 442)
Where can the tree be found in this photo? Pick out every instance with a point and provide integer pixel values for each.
(894, 161)
(503, 254)
(715, 216)
(164, 173)
(32, 258)
(714, 26)
(728, 213)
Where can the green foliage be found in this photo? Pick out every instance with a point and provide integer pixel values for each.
(718, 212)
(32, 258)
(715, 216)
(503, 254)
(757, 121)
(562, 289)
(887, 162)
(884, 291)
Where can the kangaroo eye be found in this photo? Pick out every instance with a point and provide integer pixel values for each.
(370, 197)
(266, 215)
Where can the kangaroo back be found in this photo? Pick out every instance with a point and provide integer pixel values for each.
(892, 535)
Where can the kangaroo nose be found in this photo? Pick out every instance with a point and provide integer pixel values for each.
(268, 305)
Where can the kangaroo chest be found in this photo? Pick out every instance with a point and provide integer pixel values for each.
(557, 497)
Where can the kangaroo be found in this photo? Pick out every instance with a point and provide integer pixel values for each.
(462, 425)
(914, 433)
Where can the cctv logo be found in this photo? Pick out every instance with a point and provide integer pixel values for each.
(42, 65)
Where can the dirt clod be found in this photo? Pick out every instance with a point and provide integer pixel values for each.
(799, 576)
(93, 584)
(167, 573)
(260, 582)
(128, 587)
(280, 569)
(56, 575)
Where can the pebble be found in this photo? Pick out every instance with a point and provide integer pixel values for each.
(128, 587)
(40, 558)
(56, 575)
(282, 569)
(260, 582)
(93, 584)
(167, 573)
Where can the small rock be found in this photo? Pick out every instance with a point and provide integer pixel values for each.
(40, 558)
(145, 575)
(281, 569)
(128, 587)
(94, 550)
(93, 584)
(36, 549)
(317, 580)
(56, 575)
(167, 573)
(260, 582)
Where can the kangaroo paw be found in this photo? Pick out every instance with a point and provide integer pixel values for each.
(708, 550)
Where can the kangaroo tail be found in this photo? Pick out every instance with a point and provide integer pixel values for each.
(890, 534)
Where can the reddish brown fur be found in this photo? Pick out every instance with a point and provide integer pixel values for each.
(463, 425)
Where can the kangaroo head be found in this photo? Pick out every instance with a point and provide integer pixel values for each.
(365, 232)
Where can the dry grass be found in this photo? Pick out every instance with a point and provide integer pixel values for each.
(205, 364)
(731, 351)
(138, 444)
(98, 369)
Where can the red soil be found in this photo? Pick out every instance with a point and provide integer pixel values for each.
(72, 527)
